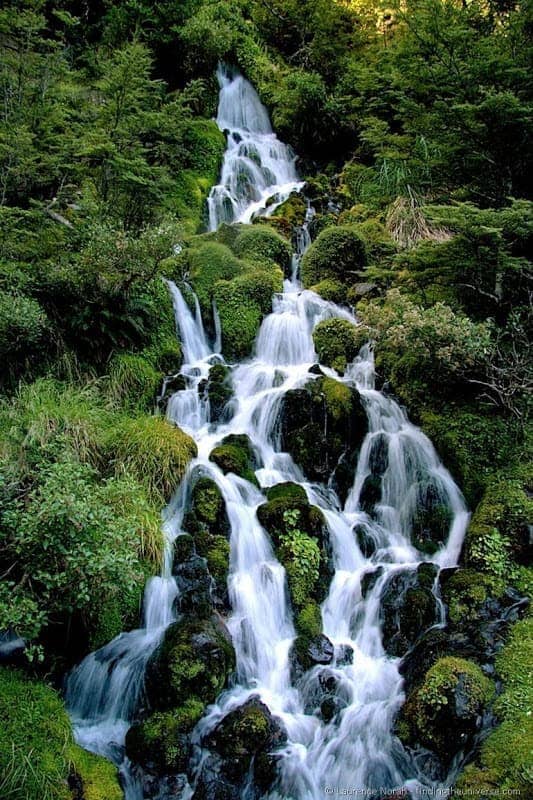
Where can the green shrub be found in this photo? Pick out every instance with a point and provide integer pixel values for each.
(23, 328)
(336, 343)
(153, 451)
(337, 253)
(300, 555)
(260, 243)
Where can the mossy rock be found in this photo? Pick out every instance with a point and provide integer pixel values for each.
(338, 252)
(286, 491)
(208, 263)
(327, 406)
(466, 593)
(246, 736)
(153, 451)
(290, 214)
(194, 660)
(94, 776)
(311, 520)
(332, 290)
(408, 608)
(242, 304)
(444, 713)
(207, 504)
(308, 621)
(499, 532)
(337, 343)
(219, 390)
(236, 454)
(161, 743)
(259, 243)
(431, 522)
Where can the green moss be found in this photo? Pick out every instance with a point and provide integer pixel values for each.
(207, 501)
(98, 776)
(336, 342)
(154, 452)
(161, 741)
(467, 591)
(217, 555)
(210, 262)
(260, 243)
(338, 253)
(35, 736)
(514, 664)
(289, 214)
(331, 290)
(286, 491)
(473, 446)
(338, 398)
(446, 705)
(308, 621)
(192, 663)
(498, 533)
(235, 454)
(504, 762)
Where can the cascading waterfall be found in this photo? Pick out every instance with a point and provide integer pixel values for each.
(258, 172)
(356, 749)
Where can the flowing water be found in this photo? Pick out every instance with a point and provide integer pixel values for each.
(357, 749)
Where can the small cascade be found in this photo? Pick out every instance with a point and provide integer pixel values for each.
(355, 747)
(258, 172)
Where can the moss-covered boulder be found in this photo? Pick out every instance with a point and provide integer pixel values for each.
(207, 523)
(289, 215)
(262, 244)
(335, 424)
(408, 607)
(161, 743)
(337, 342)
(444, 713)
(194, 660)
(338, 252)
(236, 454)
(208, 263)
(246, 738)
(299, 534)
(242, 304)
(219, 390)
(331, 290)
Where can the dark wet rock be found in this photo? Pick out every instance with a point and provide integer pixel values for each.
(194, 660)
(343, 655)
(432, 520)
(335, 424)
(218, 390)
(183, 548)
(307, 652)
(243, 744)
(365, 540)
(194, 586)
(370, 494)
(316, 370)
(408, 608)
(161, 744)
(330, 707)
(369, 580)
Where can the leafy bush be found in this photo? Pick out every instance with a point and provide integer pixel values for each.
(424, 351)
(338, 253)
(23, 327)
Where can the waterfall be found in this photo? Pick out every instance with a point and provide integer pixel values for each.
(356, 748)
(258, 171)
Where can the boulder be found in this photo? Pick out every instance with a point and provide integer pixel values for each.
(408, 608)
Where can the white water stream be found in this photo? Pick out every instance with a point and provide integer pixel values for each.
(356, 750)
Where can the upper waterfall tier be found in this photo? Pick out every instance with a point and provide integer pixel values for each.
(258, 171)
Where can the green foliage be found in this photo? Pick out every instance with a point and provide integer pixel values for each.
(336, 342)
(98, 776)
(23, 328)
(153, 451)
(262, 244)
(467, 591)
(309, 621)
(34, 738)
(133, 381)
(300, 555)
(422, 350)
(338, 253)
(498, 533)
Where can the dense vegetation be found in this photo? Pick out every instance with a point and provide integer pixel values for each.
(413, 126)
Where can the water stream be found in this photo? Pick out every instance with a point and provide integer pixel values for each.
(356, 748)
